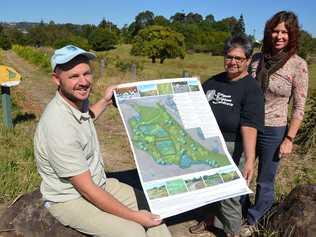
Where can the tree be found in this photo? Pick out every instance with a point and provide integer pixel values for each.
(239, 28)
(209, 19)
(193, 18)
(225, 24)
(37, 36)
(102, 39)
(143, 20)
(178, 17)
(16, 36)
(306, 44)
(159, 42)
(86, 30)
(75, 40)
(161, 21)
(4, 42)
(126, 33)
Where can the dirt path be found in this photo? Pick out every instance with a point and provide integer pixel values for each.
(38, 89)
(36, 85)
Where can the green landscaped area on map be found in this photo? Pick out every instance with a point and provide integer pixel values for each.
(156, 132)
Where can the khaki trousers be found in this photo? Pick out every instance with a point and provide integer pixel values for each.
(86, 218)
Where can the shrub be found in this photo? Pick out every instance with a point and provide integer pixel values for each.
(34, 56)
(5, 42)
(307, 134)
(75, 40)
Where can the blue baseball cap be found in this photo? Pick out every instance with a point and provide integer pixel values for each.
(67, 53)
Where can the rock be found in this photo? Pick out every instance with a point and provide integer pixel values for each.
(296, 215)
(27, 217)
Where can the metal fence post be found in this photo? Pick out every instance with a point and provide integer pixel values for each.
(6, 106)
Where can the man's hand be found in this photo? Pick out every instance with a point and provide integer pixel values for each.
(84, 184)
(98, 108)
(248, 171)
(147, 219)
(108, 94)
(285, 148)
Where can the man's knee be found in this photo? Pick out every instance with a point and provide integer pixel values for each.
(132, 229)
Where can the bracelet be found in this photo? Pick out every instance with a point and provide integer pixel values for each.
(291, 139)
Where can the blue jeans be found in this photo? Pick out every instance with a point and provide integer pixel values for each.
(268, 144)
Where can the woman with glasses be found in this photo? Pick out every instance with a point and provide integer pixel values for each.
(237, 103)
(283, 76)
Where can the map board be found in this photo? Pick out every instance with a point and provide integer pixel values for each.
(179, 151)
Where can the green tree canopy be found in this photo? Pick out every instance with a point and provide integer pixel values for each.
(5, 42)
(178, 17)
(209, 19)
(102, 39)
(306, 44)
(75, 40)
(161, 21)
(193, 18)
(159, 42)
(239, 27)
(143, 20)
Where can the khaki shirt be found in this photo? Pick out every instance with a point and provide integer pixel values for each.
(66, 145)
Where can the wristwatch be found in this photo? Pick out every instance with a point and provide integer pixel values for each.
(291, 139)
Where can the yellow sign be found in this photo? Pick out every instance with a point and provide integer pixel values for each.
(8, 76)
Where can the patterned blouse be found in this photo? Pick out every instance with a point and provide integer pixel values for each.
(290, 81)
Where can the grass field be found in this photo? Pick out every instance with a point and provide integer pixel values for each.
(201, 65)
(18, 172)
(17, 169)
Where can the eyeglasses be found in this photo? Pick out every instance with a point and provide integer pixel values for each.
(230, 58)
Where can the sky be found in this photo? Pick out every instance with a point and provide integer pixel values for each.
(122, 12)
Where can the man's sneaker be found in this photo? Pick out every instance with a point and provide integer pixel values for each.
(248, 230)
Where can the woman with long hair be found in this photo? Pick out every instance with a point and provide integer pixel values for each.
(283, 77)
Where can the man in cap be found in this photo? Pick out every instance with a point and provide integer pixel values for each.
(74, 186)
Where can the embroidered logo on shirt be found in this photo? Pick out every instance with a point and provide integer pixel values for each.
(219, 98)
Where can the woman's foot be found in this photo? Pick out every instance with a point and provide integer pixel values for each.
(202, 226)
(199, 228)
(248, 230)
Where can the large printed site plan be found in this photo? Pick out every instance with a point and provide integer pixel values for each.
(176, 149)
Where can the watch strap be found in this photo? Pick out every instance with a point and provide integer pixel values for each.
(291, 139)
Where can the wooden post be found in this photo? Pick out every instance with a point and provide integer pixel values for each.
(6, 106)
(133, 72)
(102, 66)
(185, 74)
